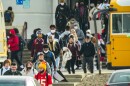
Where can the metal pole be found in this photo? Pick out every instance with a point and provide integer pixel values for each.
(97, 47)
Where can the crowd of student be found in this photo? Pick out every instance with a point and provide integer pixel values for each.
(68, 44)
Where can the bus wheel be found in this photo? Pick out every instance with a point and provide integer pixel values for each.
(109, 66)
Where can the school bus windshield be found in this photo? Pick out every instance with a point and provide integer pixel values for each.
(121, 23)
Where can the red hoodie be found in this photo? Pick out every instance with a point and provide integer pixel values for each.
(13, 41)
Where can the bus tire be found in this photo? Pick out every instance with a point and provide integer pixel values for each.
(109, 66)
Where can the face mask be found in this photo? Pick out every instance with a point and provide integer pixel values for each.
(10, 35)
(45, 51)
(53, 31)
(75, 27)
(28, 68)
(62, 4)
(42, 71)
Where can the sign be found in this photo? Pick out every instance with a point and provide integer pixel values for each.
(19, 2)
(26, 4)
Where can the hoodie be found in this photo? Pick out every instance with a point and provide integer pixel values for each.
(88, 49)
(13, 41)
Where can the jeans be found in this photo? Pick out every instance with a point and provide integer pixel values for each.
(70, 64)
(89, 61)
(20, 56)
(14, 55)
(35, 57)
(57, 62)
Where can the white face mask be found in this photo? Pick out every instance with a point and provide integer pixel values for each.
(76, 27)
(46, 51)
(62, 4)
(53, 31)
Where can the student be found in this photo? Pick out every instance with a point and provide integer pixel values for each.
(49, 57)
(13, 46)
(29, 70)
(73, 47)
(13, 70)
(22, 44)
(55, 48)
(41, 59)
(9, 16)
(88, 50)
(37, 46)
(43, 77)
(6, 67)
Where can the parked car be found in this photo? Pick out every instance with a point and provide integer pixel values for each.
(18, 81)
(119, 78)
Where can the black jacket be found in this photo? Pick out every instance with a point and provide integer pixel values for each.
(88, 49)
(9, 72)
(62, 10)
(50, 58)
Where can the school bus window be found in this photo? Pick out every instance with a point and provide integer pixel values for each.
(126, 23)
(117, 23)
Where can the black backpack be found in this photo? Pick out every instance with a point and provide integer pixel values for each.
(29, 44)
(7, 16)
(65, 39)
(21, 43)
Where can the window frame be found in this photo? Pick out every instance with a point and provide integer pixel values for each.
(122, 24)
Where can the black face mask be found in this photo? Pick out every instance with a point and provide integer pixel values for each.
(10, 35)
(42, 71)
(28, 68)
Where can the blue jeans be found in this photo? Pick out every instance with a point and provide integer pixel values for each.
(57, 62)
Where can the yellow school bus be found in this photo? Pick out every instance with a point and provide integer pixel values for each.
(3, 44)
(118, 44)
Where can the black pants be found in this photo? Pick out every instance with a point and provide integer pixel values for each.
(14, 55)
(70, 64)
(89, 61)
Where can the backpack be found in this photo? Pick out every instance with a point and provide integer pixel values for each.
(21, 43)
(7, 16)
(65, 39)
(29, 44)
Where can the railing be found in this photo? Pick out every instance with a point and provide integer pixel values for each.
(24, 31)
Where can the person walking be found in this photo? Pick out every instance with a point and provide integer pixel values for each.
(9, 16)
(29, 70)
(13, 70)
(38, 46)
(22, 44)
(5, 67)
(41, 59)
(88, 51)
(79, 32)
(73, 47)
(83, 17)
(61, 16)
(53, 33)
(64, 37)
(13, 46)
(43, 77)
(55, 48)
(49, 57)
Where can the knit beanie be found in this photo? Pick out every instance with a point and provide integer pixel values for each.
(42, 65)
